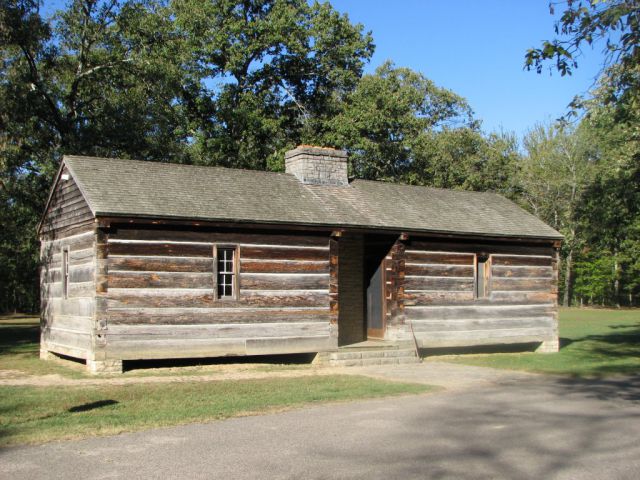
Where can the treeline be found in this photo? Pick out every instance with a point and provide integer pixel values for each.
(237, 84)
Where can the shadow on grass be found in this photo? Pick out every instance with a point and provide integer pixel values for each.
(16, 338)
(92, 406)
(615, 344)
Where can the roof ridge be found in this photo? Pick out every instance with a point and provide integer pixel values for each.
(442, 189)
(173, 164)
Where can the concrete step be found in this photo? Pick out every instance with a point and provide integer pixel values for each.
(365, 357)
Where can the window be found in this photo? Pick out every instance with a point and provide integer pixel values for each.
(483, 270)
(65, 272)
(226, 272)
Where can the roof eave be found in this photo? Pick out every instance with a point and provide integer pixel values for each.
(333, 226)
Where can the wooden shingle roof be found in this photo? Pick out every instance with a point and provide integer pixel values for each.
(115, 187)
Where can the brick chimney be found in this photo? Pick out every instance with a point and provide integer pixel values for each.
(317, 165)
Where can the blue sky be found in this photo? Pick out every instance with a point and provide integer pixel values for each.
(476, 48)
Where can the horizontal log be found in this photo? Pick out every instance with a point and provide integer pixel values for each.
(288, 298)
(284, 281)
(442, 258)
(521, 284)
(149, 349)
(160, 349)
(482, 247)
(438, 283)
(79, 240)
(470, 339)
(273, 253)
(143, 298)
(67, 338)
(196, 316)
(231, 237)
(240, 331)
(81, 273)
(521, 272)
(439, 270)
(162, 249)
(85, 289)
(482, 325)
(119, 279)
(481, 311)
(81, 256)
(275, 346)
(67, 322)
(434, 297)
(283, 266)
(523, 297)
(77, 307)
(522, 260)
(151, 264)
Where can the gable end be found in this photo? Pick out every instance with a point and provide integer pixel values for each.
(66, 207)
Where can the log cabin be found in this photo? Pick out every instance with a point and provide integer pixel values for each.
(148, 260)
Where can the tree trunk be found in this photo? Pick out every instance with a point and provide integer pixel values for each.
(616, 280)
(568, 266)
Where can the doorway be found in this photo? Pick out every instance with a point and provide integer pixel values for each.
(375, 304)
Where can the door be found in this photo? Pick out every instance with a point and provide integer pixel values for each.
(375, 307)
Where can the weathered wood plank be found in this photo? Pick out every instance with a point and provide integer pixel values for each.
(438, 283)
(437, 297)
(455, 312)
(170, 298)
(282, 281)
(78, 290)
(480, 246)
(162, 249)
(243, 331)
(521, 272)
(442, 258)
(81, 273)
(480, 326)
(81, 324)
(77, 307)
(151, 264)
(439, 270)
(521, 260)
(522, 297)
(67, 338)
(276, 252)
(283, 266)
(119, 279)
(232, 237)
(471, 338)
(195, 316)
(520, 284)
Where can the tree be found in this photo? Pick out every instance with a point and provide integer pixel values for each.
(387, 118)
(553, 178)
(615, 24)
(272, 72)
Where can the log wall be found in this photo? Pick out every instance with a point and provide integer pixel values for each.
(157, 296)
(67, 323)
(440, 303)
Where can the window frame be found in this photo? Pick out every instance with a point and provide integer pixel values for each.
(485, 260)
(235, 273)
(65, 272)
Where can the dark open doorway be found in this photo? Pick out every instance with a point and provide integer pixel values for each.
(376, 248)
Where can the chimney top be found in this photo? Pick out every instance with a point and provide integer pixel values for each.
(317, 165)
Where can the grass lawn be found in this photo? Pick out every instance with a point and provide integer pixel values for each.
(593, 342)
(42, 414)
(37, 415)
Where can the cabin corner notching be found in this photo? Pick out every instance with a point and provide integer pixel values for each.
(144, 260)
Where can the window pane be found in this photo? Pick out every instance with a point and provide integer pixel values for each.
(225, 272)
